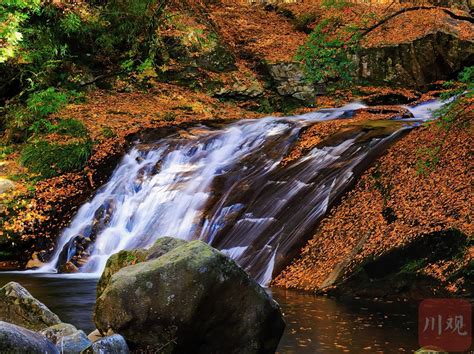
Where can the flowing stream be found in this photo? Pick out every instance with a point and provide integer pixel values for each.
(228, 188)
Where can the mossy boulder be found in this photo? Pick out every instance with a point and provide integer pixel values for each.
(126, 258)
(191, 299)
(17, 306)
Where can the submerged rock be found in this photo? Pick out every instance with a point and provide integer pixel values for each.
(191, 299)
(16, 339)
(114, 344)
(17, 306)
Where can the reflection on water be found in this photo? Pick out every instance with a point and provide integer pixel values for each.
(315, 324)
(71, 299)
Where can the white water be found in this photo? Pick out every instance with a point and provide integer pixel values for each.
(257, 214)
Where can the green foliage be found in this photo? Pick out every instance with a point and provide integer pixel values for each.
(13, 13)
(326, 56)
(334, 4)
(413, 266)
(455, 114)
(131, 26)
(45, 102)
(428, 158)
(265, 106)
(71, 24)
(131, 258)
(5, 150)
(107, 132)
(50, 159)
(70, 127)
(32, 117)
(169, 117)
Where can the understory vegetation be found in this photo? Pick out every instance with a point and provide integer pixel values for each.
(49, 53)
(456, 114)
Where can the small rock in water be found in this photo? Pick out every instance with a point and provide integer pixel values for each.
(16, 339)
(56, 332)
(74, 343)
(17, 306)
(114, 344)
(94, 336)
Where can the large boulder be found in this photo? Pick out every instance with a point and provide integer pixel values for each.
(126, 258)
(191, 299)
(433, 57)
(16, 339)
(17, 306)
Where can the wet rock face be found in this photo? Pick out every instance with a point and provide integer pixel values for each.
(436, 56)
(289, 80)
(186, 301)
(15, 339)
(17, 306)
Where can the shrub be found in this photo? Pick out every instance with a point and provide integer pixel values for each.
(456, 114)
(107, 132)
(45, 102)
(326, 56)
(32, 118)
(51, 159)
(70, 127)
(169, 117)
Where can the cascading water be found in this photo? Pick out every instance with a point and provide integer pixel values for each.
(225, 187)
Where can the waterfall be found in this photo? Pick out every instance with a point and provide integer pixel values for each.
(226, 187)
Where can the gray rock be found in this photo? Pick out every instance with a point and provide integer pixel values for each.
(290, 80)
(16, 339)
(114, 344)
(94, 336)
(6, 185)
(125, 258)
(162, 246)
(74, 343)
(17, 306)
(436, 56)
(192, 299)
(56, 332)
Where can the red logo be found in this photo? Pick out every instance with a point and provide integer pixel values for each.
(445, 324)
